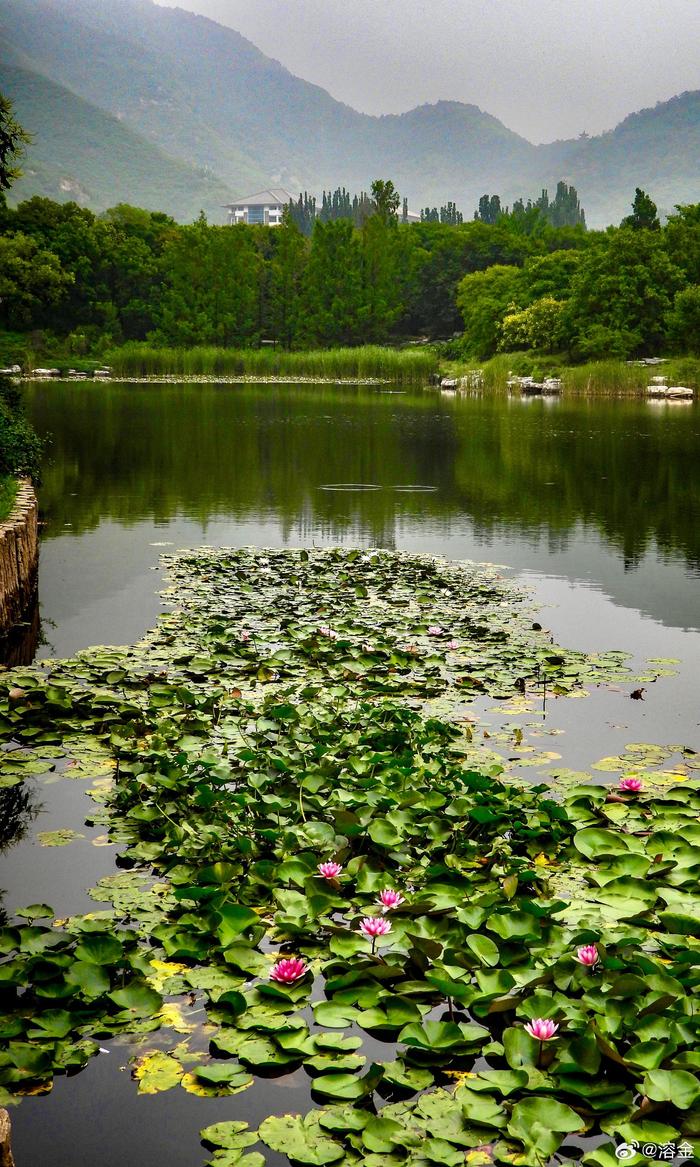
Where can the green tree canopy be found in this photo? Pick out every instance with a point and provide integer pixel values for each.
(644, 216)
(484, 299)
(13, 140)
(621, 294)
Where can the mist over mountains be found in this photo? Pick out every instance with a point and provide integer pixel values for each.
(131, 102)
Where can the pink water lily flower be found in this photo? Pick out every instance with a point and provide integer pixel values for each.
(328, 632)
(434, 630)
(286, 972)
(245, 635)
(588, 955)
(542, 1028)
(374, 926)
(389, 899)
(329, 870)
(453, 644)
(631, 785)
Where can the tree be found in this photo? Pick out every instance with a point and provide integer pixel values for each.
(288, 266)
(82, 244)
(13, 140)
(441, 256)
(564, 210)
(303, 213)
(683, 320)
(489, 210)
(551, 275)
(450, 214)
(621, 295)
(386, 199)
(537, 327)
(682, 240)
(644, 216)
(484, 299)
(32, 282)
(332, 291)
(212, 283)
(382, 277)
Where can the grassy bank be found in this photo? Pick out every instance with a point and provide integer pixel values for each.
(401, 366)
(8, 494)
(596, 378)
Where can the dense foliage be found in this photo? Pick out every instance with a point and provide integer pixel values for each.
(20, 447)
(286, 751)
(628, 291)
(510, 279)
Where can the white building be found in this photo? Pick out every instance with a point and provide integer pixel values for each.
(265, 207)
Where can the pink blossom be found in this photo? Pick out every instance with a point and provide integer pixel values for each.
(389, 899)
(329, 870)
(373, 926)
(434, 630)
(245, 635)
(632, 785)
(286, 972)
(328, 632)
(542, 1028)
(453, 644)
(587, 955)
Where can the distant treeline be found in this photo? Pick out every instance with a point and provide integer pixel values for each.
(83, 282)
(564, 210)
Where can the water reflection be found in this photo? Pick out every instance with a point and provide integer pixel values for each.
(18, 810)
(258, 452)
(19, 645)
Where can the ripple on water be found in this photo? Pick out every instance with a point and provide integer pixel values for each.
(350, 486)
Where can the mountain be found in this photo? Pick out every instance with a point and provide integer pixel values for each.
(83, 154)
(201, 96)
(657, 149)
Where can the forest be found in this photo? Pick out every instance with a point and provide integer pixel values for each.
(528, 278)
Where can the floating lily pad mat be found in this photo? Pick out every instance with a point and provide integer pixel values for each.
(311, 854)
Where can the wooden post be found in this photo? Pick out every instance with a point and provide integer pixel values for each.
(6, 1159)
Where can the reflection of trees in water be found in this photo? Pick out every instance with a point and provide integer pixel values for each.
(18, 809)
(18, 805)
(19, 645)
(251, 452)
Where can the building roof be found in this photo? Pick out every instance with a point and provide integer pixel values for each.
(275, 196)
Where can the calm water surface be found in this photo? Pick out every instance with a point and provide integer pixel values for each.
(593, 504)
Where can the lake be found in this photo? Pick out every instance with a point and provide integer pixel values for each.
(594, 504)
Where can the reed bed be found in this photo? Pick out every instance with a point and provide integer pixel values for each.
(615, 378)
(367, 361)
(609, 378)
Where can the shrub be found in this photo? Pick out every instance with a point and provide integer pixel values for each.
(21, 448)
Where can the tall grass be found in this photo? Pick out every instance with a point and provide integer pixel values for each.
(405, 366)
(595, 379)
(607, 378)
(600, 378)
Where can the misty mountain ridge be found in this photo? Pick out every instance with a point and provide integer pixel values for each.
(169, 110)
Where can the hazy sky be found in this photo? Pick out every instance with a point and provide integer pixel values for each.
(547, 68)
